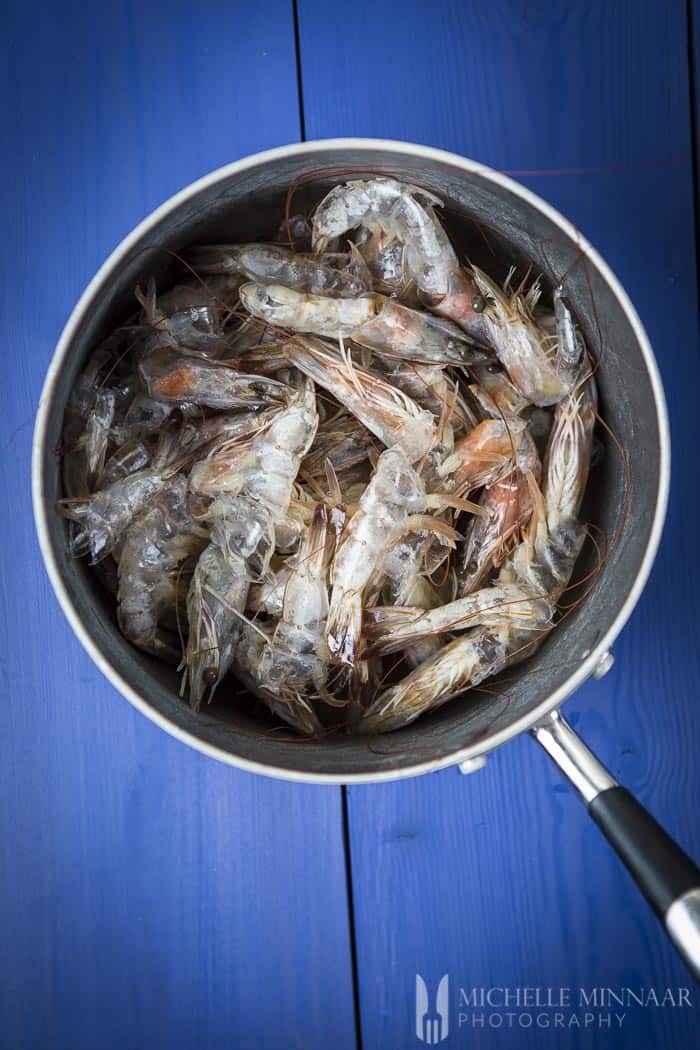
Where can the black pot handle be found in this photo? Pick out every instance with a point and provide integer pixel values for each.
(667, 877)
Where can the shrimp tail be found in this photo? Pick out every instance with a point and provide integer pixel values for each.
(391, 627)
(344, 628)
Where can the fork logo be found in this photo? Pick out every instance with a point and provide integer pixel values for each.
(432, 1027)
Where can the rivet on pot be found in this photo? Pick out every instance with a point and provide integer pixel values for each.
(606, 662)
(470, 765)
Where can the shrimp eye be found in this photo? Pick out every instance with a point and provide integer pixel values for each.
(210, 675)
(478, 304)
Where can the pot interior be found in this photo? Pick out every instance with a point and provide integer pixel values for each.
(494, 228)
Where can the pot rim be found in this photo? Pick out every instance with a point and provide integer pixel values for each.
(60, 355)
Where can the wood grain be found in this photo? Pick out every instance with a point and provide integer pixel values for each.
(499, 879)
(150, 896)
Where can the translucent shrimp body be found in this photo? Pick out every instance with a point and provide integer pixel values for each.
(298, 655)
(103, 517)
(342, 441)
(263, 464)
(483, 455)
(385, 410)
(394, 492)
(538, 363)
(293, 708)
(385, 259)
(190, 315)
(374, 321)
(155, 546)
(543, 367)
(278, 452)
(215, 603)
(253, 501)
(460, 665)
(540, 567)
(495, 394)
(394, 208)
(507, 503)
(393, 628)
(344, 275)
(172, 376)
(406, 584)
(97, 434)
(405, 214)
(545, 560)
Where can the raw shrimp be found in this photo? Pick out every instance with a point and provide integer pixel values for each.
(190, 316)
(268, 597)
(343, 441)
(238, 554)
(494, 393)
(403, 213)
(374, 321)
(97, 434)
(406, 569)
(172, 376)
(289, 531)
(539, 364)
(344, 275)
(215, 603)
(103, 517)
(279, 451)
(460, 665)
(390, 628)
(145, 417)
(205, 434)
(541, 566)
(125, 461)
(265, 359)
(546, 559)
(298, 656)
(156, 544)
(294, 709)
(483, 455)
(252, 338)
(430, 387)
(508, 505)
(386, 261)
(86, 425)
(388, 413)
(264, 465)
(288, 443)
(245, 514)
(394, 492)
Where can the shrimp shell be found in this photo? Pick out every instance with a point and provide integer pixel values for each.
(387, 412)
(343, 275)
(374, 321)
(171, 376)
(156, 544)
(394, 492)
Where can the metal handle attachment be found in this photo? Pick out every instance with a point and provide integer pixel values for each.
(667, 877)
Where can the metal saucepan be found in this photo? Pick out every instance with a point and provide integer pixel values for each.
(499, 220)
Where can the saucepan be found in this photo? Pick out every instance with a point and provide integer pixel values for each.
(499, 220)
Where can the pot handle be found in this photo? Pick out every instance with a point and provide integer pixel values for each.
(667, 877)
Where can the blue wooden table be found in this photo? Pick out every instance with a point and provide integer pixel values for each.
(153, 898)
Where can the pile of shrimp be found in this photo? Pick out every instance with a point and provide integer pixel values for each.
(347, 472)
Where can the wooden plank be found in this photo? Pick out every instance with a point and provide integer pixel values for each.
(150, 896)
(500, 879)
